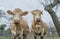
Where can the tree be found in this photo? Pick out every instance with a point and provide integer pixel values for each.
(48, 8)
(8, 32)
(2, 13)
(2, 27)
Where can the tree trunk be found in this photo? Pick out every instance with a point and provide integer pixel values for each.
(55, 20)
(53, 15)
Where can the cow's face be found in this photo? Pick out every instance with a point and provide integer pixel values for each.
(17, 15)
(36, 14)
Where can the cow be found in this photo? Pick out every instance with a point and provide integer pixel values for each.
(39, 28)
(19, 26)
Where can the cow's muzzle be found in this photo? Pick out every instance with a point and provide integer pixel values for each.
(16, 22)
(38, 20)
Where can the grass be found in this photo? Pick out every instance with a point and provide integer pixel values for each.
(46, 38)
(1, 37)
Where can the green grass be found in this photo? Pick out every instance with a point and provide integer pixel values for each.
(46, 38)
(1, 37)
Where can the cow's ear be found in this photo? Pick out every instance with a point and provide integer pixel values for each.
(10, 12)
(25, 13)
(33, 12)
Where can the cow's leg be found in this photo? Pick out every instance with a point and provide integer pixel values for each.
(24, 36)
(42, 33)
(41, 37)
(19, 37)
(14, 37)
(13, 34)
(35, 36)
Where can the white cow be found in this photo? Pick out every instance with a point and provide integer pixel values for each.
(19, 26)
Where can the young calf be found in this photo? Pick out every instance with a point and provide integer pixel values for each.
(38, 26)
(19, 26)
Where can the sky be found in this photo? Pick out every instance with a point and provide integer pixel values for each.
(26, 5)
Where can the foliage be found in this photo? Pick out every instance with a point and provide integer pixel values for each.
(2, 28)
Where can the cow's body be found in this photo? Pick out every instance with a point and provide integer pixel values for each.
(38, 26)
(21, 30)
(19, 26)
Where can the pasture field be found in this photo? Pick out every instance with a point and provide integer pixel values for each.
(1, 37)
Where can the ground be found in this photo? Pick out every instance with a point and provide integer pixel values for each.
(1, 37)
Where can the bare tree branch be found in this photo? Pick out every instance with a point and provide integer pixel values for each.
(50, 1)
(59, 1)
(42, 3)
(49, 9)
(56, 7)
(46, 1)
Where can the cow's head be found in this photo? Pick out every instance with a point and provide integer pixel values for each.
(36, 14)
(17, 15)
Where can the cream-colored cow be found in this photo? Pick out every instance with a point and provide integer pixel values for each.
(38, 26)
(19, 26)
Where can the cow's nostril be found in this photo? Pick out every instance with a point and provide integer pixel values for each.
(38, 19)
(16, 22)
